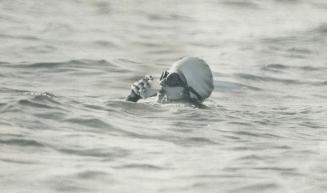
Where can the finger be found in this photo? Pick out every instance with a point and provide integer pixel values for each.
(135, 87)
(140, 83)
(148, 77)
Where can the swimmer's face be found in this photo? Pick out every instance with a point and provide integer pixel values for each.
(172, 88)
(167, 94)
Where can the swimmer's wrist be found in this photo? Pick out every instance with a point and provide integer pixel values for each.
(133, 97)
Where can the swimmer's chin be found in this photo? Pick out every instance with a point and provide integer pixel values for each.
(162, 97)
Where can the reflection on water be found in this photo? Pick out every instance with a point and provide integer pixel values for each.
(67, 66)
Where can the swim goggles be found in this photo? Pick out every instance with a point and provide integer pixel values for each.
(175, 80)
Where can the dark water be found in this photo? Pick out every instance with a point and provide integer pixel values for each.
(66, 66)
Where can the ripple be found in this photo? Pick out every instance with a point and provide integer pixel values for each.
(274, 67)
(40, 100)
(72, 64)
(319, 5)
(20, 37)
(141, 167)
(18, 161)
(21, 142)
(78, 181)
(288, 1)
(90, 122)
(240, 123)
(227, 86)
(169, 17)
(321, 29)
(107, 154)
(300, 51)
(311, 68)
(40, 49)
(282, 67)
(281, 169)
(266, 78)
(259, 187)
(241, 4)
(91, 174)
(198, 141)
(105, 44)
(254, 157)
(102, 7)
(68, 186)
(2, 62)
(320, 83)
(12, 90)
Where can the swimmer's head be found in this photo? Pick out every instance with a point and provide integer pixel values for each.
(188, 79)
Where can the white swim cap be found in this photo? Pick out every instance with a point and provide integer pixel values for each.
(197, 74)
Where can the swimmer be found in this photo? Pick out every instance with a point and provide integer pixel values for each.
(188, 80)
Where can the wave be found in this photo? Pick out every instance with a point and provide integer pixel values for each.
(169, 17)
(106, 154)
(20, 37)
(259, 187)
(321, 29)
(320, 83)
(267, 78)
(22, 142)
(38, 100)
(71, 68)
(298, 44)
(141, 167)
(75, 63)
(227, 86)
(90, 174)
(16, 161)
(90, 122)
(105, 44)
(288, 1)
(241, 4)
(283, 67)
(274, 67)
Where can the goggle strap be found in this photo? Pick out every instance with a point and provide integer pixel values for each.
(164, 75)
(195, 93)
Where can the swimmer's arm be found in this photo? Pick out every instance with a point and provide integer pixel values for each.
(133, 97)
(141, 89)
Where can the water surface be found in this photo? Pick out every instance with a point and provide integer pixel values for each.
(66, 67)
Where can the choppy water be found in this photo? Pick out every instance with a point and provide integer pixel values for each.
(66, 67)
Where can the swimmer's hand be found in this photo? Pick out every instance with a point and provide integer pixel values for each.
(142, 89)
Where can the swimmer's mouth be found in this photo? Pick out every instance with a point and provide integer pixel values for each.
(166, 94)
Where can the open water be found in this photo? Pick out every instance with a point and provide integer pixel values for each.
(66, 67)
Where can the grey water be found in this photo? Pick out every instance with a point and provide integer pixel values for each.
(66, 67)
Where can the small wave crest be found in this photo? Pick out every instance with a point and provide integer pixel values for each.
(81, 65)
(321, 29)
(15, 103)
(40, 100)
(71, 63)
(22, 142)
(282, 68)
(252, 77)
(241, 4)
(106, 154)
